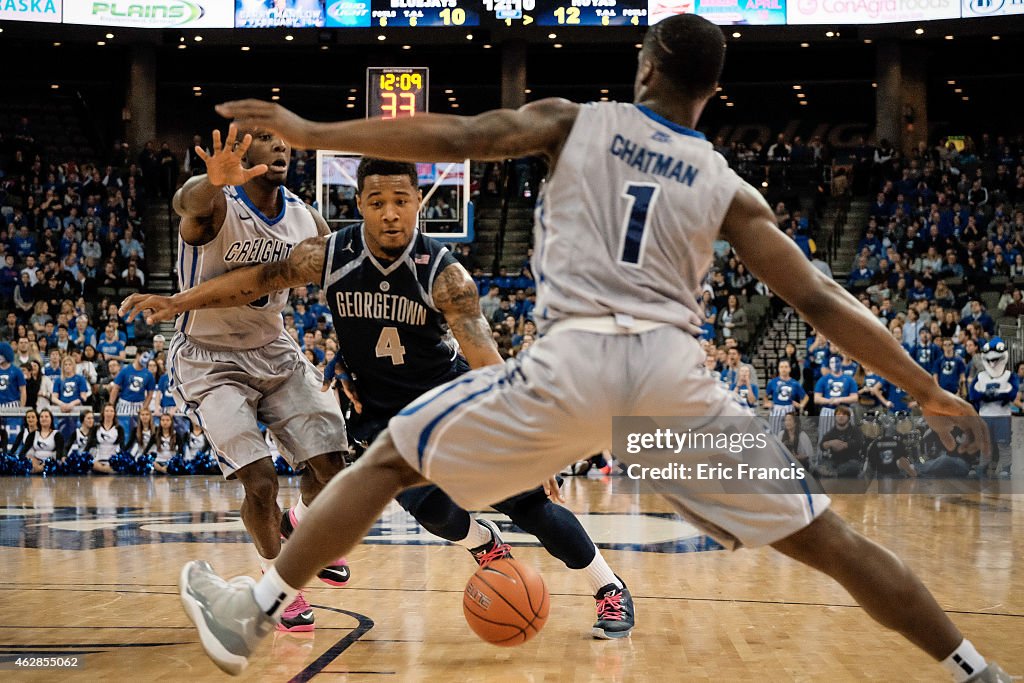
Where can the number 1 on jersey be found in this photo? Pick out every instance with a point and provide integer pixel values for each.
(641, 198)
(388, 344)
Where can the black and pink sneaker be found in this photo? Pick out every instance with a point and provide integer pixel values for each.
(615, 613)
(297, 617)
(335, 574)
(496, 549)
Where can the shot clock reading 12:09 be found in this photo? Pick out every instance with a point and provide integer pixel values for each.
(424, 13)
(396, 92)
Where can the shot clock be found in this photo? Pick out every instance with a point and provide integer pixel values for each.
(396, 92)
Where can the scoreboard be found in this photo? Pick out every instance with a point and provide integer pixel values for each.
(591, 12)
(396, 92)
(425, 13)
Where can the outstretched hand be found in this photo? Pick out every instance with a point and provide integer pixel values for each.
(943, 411)
(159, 307)
(292, 128)
(224, 166)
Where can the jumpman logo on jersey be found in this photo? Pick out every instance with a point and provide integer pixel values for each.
(349, 247)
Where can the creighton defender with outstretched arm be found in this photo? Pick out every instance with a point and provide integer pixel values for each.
(624, 231)
(232, 369)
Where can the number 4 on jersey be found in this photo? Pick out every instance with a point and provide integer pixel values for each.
(388, 344)
(640, 198)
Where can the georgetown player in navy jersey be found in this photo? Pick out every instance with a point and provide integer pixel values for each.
(392, 291)
(625, 229)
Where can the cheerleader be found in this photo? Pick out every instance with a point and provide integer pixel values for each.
(197, 443)
(29, 427)
(44, 445)
(143, 437)
(78, 460)
(166, 442)
(106, 440)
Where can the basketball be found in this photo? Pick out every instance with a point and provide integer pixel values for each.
(506, 603)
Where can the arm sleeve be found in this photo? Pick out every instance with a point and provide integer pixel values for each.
(29, 442)
(59, 443)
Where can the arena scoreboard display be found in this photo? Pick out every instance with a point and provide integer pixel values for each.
(396, 92)
(377, 14)
(425, 13)
(591, 12)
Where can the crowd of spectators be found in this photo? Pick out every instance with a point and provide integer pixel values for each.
(72, 244)
(945, 226)
(940, 262)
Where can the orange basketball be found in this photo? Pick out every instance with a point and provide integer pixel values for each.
(506, 602)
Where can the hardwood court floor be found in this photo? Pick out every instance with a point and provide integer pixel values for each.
(90, 567)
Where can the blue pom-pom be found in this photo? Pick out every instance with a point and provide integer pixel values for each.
(205, 463)
(122, 462)
(75, 463)
(142, 465)
(13, 466)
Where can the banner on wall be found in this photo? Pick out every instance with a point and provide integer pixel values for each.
(344, 13)
(151, 13)
(870, 11)
(723, 12)
(30, 10)
(991, 8)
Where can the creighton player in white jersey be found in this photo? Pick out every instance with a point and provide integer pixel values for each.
(624, 232)
(231, 369)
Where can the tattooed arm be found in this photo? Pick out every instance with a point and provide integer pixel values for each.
(237, 287)
(455, 295)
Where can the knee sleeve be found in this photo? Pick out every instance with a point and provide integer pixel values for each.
(555, 527)
(436, 512)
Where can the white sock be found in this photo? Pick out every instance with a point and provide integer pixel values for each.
(965, 662)
(265, 564)
(598, 573)
(299, 510)
(477, 535)
(272, 594)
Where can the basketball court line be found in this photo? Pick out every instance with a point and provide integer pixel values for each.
(351, 589)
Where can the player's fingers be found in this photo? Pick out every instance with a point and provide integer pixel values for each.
(127, 303)
(979, 430)
(553, 490)
(243, 146)
(133, 305)
(256, 170)
(326, 385)
(240, 109)
(229, 144)
(216, 141)
(201, 153)
(160, 313)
